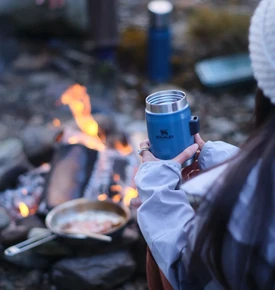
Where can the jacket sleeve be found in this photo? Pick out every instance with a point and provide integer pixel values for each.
(165, 217)
(216, 152)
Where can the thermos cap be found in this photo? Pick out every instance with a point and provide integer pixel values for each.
(167, 101)
(160, 11)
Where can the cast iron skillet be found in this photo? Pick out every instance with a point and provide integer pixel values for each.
(61, 213)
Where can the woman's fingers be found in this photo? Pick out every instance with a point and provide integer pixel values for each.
(187, 153)
(199, 140)
(144, 143)
(145, 153)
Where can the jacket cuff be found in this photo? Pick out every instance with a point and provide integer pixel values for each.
(214, 153)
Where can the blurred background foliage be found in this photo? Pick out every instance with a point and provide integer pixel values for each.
(211, 26)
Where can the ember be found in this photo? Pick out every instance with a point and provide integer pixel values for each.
(25, 198)
(130, 193)
(56, 122)
(24, 210)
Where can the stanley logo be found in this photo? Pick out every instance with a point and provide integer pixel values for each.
(164, 135)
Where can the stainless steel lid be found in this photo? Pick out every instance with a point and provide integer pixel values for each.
(159, 11)
(167, 101)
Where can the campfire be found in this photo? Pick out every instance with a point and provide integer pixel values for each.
(110, 178)
(92, 162)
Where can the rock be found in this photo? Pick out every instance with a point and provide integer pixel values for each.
(16, 233)
(130, 81)
(5, 284)
(3, 129)
(54, 90)
(13, 235)
(34, 278)
(92, 273)
(12, 156)
(30, 222)
(39, 141)
(29, 259)
(13, 277)
(38, 79)
(249, 102)
(4, 219)
(26, 62)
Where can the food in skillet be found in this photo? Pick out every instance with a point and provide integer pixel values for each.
(96, 221)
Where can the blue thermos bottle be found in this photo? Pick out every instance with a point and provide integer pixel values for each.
(170, 125)
(159, 41)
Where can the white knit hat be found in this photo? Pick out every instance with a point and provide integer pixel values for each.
(262, 47)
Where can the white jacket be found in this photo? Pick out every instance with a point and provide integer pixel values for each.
(168, 222)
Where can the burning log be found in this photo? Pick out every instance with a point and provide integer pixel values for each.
(71, 167)
(114, 167)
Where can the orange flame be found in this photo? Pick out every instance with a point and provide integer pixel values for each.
(73, 140)
(56, 122)
(78, 100)
(123, 149)
(116, 198)
(116, 188)
(130, 193)
(102, 197)
(116, 177)
(24, 210)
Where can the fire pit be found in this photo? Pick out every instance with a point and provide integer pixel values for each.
(92, 161)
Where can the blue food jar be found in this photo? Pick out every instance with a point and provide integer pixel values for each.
(170, 124)
(159, 41)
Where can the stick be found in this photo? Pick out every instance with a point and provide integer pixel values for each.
(88, 234)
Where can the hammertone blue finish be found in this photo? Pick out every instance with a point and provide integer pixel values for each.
(169, 133)
(159, 53)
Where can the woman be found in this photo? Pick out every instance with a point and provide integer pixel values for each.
(229, 242)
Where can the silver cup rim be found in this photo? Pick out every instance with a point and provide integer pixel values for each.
(166, 101)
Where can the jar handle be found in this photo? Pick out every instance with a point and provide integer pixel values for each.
(194, 125)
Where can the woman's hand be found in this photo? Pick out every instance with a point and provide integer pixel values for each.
(187, 172)
(146, 155)
(199, 141)
(53, 4)
(193, 169)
